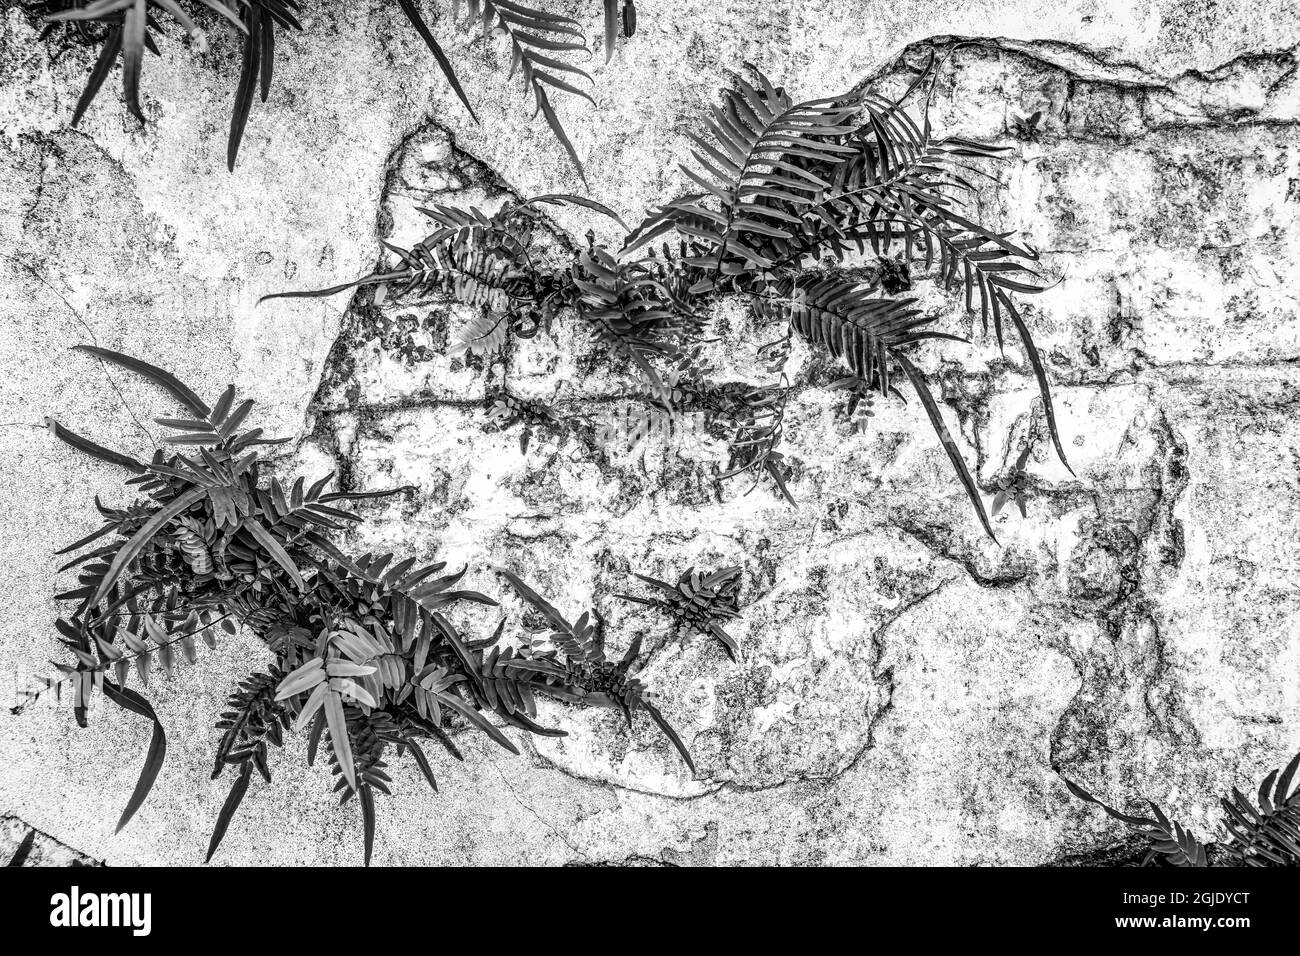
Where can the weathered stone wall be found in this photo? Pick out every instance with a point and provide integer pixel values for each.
(906, 685)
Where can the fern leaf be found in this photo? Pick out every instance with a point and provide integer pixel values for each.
(1169, 840)
(841, 316)
(484, 334)
(866, 333)
(575, 640)
(160, 377)
(129, 35)
(757, 164)
(93, 449)
(1270, 834)
(233, 799)
(632, 309)
(260, 20)
(671, 734)
(563, 198)
(535, 38)
(946, 439)
(108, 54)
(611, 28)
(760, 430)
(903, 187)
(413, 14)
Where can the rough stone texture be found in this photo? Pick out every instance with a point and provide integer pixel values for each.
(907, 685)
(22, 845)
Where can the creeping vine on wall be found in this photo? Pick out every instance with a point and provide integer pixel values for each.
(367, 652)
(822, 214)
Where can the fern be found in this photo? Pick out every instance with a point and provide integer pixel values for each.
(781, 187)
(907, 188)
(1013, 485)
(505, 410)
(1263, 835)
(254, 720)
(366, 654)
(131, 30)
(699, 603)
(1267, 835)
(616, 13)
(534, 37)
(485, 334)
(538, 41)
(584, 670)
(762, 145)
(260, 18)
(630, 309)
(1168, 841)
(759, 430)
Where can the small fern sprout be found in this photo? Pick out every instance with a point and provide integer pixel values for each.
(858, 408)
(505, 410)
(1028, 128)
(1013, 485)
(699, 603)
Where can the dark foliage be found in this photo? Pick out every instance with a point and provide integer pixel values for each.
(506, 410)
(1261, 833)
(1028, 127)
(367, 652)
(24, 850)
(1014, 484)
(699, 603)
(782, 189)
(541, 46)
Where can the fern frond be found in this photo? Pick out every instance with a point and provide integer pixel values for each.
(843, 317)
(471, 258)
(131, 27)
(578, 641)
(866, 333)
(587, 674)
(484, 334)
(1169, 840)
(535, 37)
(252, 719)
(699, 603)
(1267, 834)
(904, 188)
(760, 429)
(612, 17)
(413, 14)
(260, 19)
(757, 167)
(632, 309)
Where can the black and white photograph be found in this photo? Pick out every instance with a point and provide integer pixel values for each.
(799, 435)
